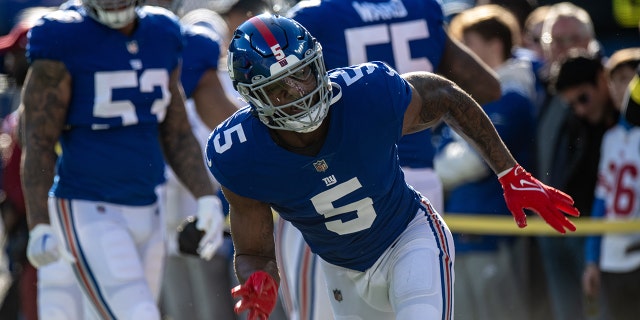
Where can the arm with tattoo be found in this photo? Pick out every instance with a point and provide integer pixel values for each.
(436, 98)
(440, 99)
(181, 148)
(46, 96)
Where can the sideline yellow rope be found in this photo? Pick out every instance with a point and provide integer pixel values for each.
(505, 225)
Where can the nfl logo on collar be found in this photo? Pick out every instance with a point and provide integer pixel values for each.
(320, 165)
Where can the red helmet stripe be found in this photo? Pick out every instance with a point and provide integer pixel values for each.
(264, 31)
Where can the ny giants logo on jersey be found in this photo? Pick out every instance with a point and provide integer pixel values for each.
(330, 180)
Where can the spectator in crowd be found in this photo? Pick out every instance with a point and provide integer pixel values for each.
(613, 260)
(104, 83)
(487, 282)
(532, 31)
(631, 104)
(630, 108)
(580, 81)
(614, 21)
(352, 39)
(531, 49)
(621, 67)
(563, 159)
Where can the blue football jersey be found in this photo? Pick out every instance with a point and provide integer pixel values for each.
(110, 146)
(350, 201)
(408, 35)
(201, 53)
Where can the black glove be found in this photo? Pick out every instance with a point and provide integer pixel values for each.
(189, 236)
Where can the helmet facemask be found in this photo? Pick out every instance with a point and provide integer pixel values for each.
(296, 98)
(114, 14)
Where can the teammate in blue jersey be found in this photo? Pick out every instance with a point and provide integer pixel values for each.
(104, 84)
(320, 149)
(408, 36)
(364, 31)
(188, 279)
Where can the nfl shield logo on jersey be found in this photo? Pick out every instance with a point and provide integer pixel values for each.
(132, 47)
(320, 165)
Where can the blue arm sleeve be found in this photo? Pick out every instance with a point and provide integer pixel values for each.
(592, 243)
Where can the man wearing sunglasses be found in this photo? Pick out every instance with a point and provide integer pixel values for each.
(581, 81)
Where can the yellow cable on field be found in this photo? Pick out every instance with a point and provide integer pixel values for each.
(504, 225)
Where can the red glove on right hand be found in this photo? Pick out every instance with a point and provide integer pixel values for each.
(258, 295)
(522, 191)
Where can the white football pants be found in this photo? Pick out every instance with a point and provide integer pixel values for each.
(303, 289)
(119, 255)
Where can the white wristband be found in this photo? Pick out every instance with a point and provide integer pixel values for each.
(208, 201)
(504, 173)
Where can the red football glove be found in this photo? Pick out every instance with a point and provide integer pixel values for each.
(258, 295)
(522, 191)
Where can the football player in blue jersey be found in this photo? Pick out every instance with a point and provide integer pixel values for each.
(104, 83)
(188, 279)
(320, 149)
(364, 31)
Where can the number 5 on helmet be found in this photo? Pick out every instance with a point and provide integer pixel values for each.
(522, 191)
